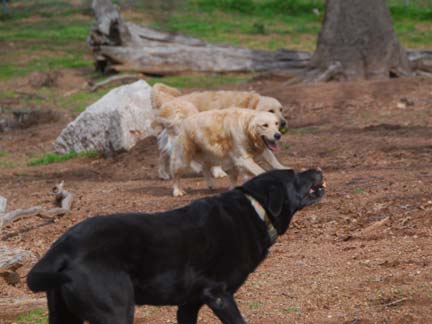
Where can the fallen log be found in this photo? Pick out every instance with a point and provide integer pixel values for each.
(125, 46)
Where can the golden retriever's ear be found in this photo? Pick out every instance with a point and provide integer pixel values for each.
(252, 101)
(251, 129)
(162, 93)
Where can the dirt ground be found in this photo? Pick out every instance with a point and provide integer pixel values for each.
(362, 255)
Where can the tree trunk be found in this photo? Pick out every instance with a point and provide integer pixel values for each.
(124, 46)
(357, 41)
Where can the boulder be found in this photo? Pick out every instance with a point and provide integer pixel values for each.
(114, 123)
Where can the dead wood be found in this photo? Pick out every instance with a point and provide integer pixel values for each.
(63, 200)
(3, 204)
(116, 78)
(124, 46)
(12, 259)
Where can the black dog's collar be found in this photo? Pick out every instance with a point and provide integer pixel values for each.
(264, 217)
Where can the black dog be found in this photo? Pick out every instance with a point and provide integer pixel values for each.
(198, 254)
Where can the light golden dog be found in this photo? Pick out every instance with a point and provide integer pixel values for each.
(231, 138)
(213, 100)
(174, 107)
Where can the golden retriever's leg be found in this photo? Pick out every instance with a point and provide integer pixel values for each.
(165, 149)
(208, 176)
(178, 165)
(233, 177)
(217, 172)
(271, 159)
(177, 191)
(248, 165)
(164, 160)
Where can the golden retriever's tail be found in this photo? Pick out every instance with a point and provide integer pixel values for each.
(165, 142)
(161, 93)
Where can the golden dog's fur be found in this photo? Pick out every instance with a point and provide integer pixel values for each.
(230, 137)
(174, 107)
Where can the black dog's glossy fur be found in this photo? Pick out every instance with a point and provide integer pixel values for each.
(195, 255)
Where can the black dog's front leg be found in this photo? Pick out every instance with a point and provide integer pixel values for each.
(225, 308)
(188, 314)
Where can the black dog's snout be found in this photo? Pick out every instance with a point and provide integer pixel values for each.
(283, 123)
(277, 136)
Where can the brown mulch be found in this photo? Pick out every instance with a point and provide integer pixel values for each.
(363, 255)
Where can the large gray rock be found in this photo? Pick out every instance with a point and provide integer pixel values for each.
(113, 123)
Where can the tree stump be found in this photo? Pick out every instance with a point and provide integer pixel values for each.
(357, 36)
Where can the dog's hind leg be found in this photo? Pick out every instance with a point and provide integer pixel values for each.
(58, 312)
(100, 294)
(165, 148)
(233, 177)
(217, 172)
(188, 314)
(179, 162)
(208, 176)
(164, 160)
(225, 308)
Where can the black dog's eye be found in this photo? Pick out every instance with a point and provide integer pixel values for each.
(271, 110)
(265, 125)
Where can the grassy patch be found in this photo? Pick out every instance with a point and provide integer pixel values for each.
(49, 158)
(291, 309)
(358, 190)
(287, 146)
(305, 130)
(3, 153)
(254, 305)
(7, 164)
(49, 34)
(37, 316)
(192, 81)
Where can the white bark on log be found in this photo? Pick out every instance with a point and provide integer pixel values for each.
(20, 213)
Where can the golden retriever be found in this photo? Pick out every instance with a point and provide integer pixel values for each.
(231, 137)
(174, 107)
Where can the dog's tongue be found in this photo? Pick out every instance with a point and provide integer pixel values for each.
(273, 147)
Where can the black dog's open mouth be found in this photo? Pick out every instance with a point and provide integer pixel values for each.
(317, 191)
(271, 145)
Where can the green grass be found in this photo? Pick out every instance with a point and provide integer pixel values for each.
(305, 130)
(7, 164)
(358, 190)
(192, 81)
(49, 34)
(37, 316)
(3, 153)
(291, 309)
(49, 158)
(255, 305)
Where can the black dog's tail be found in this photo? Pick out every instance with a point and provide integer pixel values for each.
(48, 273)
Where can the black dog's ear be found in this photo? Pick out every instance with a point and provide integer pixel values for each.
(275, 201)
